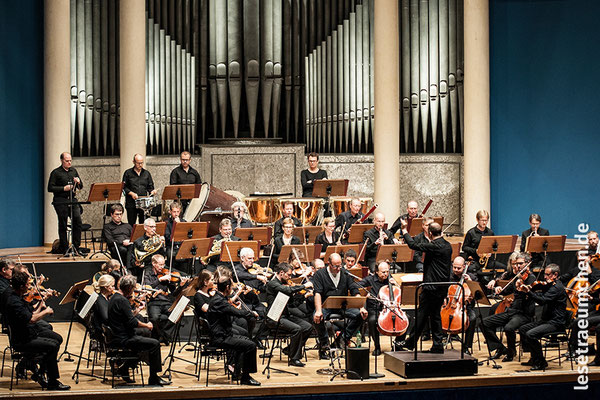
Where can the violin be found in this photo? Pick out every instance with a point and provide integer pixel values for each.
(504, 304)
(576, 286)
(452, 311)
(303, 292)
(595, 260)
(537, 285)
(174, 276)
(392, 320)
(256, 269)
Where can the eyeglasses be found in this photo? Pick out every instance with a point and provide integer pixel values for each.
(519, 263)
(186, 159)
(288, 227)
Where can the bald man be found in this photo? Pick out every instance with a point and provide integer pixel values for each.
(138, 182)
(412, 211)
(377, 236)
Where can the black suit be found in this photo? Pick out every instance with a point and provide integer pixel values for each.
(372, 248)
(59, 178)
(278, 244)
(536, 258)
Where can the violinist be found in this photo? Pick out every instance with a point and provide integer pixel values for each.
(148, 244)
(26, 334)
(111, 267)
(123, 323)
(589, 251)
(287, 211)
(219, 316)
(492, 286)
(377, 236)
(346, 219)
(239, 216)
(472, 240)
(519, 313)
(298, 328)
(535, 230)
(204, 291)
(105, 288)
(6, 270)
(286, 238)
(375, 282)
(458, 271)
(328, 236)
(554, 315)
(589, 300)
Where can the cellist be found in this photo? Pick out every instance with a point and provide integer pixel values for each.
(375, 282)
(458, 270)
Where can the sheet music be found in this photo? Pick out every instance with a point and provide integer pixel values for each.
(178, 310)
(88, 305)
(278, 306)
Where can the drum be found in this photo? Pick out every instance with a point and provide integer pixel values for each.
(263, 210)
(341, 204)
(305, 209)
(145, 203)
(212, 205)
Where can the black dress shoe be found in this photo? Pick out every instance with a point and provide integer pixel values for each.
(40, 378)
(324, 354)
(376, 352)
(295, 363)
(402, 346)
(57, 385)
(541, 365)
(509, 356)
(158, 381)
(435, 350)
(260, 345)
(499, 353)
(286, 350)
(529, 363)
(595, 363)
(250, 381)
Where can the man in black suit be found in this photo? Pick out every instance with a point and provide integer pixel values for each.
(376, 236)
(535, 230)
(346, 219)
(287, 210)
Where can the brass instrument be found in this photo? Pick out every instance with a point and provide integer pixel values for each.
(150, 245)
(215, 250)
(484, 259)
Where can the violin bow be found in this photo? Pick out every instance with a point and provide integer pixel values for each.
(123, 268)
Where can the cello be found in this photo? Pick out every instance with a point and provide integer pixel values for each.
(392, 319)
(452, 311)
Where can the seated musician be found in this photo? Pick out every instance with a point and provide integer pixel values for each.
(26, 335)
(589, 251)
(519, 313)
(123, 322)
(225, 234)
(412, 211)
(172, 247)
(111, 267)
(286, 238)
(458, 269)
(507, 275)
(204, 291)
(105, 289)
(334, 281)
(553, 297)
(589, 300)
(328, 236)
(6, 270)
(289, 322)
(146, 245)
(310, 175)
(535, 230)
(374, 283)
(239, 219)
(220, 315)
(471, 243)
(375, 237)
(349, 260)
(287, 211)
(117, 234)
(345, 220)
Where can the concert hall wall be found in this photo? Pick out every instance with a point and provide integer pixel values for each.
(544, 110)
(21, 123)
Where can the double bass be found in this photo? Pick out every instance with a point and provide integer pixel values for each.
(452, 312)
(392, 319)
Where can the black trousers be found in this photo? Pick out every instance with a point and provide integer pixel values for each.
(63, 212)
(531, 334)
(244, 352)
(149, 350)
(593, 321)
(158, 314)
(47, 344)
(430, 304)
(134, 214)
(299, 329)
(123, 252)
(354, 323)
(511, 321)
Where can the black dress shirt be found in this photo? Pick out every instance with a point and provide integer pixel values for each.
(100, 313)
(246, 223)
(345, 220)
(169, 228)
(59, 178)
(373, 235)
(17, 314)
(200, 300)
(151, 279)
(438, 259)
(278, 244)
(322, 240)
(278, 227)
(527, 233)
(120, 318)
(220, 314)
(180, 177)
(114, 233)
(325, 287)
(275, 286)
(554, 300)
(4, 284)
(521, 303)
(141, 185)
(248, 279)
(471, 242)
(306, 176)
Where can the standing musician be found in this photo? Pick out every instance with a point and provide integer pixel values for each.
(471, 243)
(146, 245)
(220, 314)
(118, 233)
(138, 182)
(225, 235)
(334, 281)
(346, 219)
(310, 175)
(377, 236)
(239, 212)
(436, 268)
(123, 323)
(63, 182)
(288, 212)
(28, 335)
(458, 270)
(553, 297)
(184, 174)
(328, 236)
(286, 238)
(299, 328)
(519, 313)
(412, 211)
(535, 230)
(375, 282)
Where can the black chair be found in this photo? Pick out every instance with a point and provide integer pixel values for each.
(20, 355)
(116, 355)
(556, 340)
(206, 350)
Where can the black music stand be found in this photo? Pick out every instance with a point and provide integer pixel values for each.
(416, 225)
(330, 187)
(545, 244)
(343, 303)
(308, 250)
(105, 192)
(496, 245)
(263, 234)
(307, 234)
(71, 297)
(194, 248)
(396, 253)
(357, 232)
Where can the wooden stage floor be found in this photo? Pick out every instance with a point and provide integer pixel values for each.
(308, 382)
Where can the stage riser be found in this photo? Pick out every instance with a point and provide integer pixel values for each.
(430, 365)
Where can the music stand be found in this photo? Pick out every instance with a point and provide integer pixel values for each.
(307, 234)
(105, 192)
(304, 250)
(230, 250)
(329, 187)
(263, 234)
(341, 249)
(194, 248)
(343, 303)
(545, 244)
(138, 230)
(188, 230)
(455, 249)
(396, 253)
(357, 232)
(416, 225)
(497, 245)
(181, 192)
(71, 297)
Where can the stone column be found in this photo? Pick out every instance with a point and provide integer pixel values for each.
(57, 100)
(132, 69)
(477, 110)
(386, 140)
